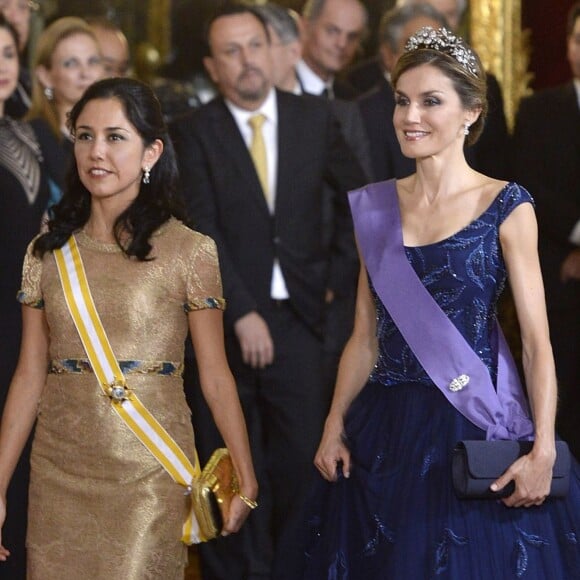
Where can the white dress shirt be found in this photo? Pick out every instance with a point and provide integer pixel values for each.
(311, 82)
(269, 109)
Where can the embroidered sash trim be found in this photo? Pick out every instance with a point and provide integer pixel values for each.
(129, 367)
(443, 352)
(112, 381)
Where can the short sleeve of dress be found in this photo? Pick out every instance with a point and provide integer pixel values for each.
(512, 196)
(30, 292)
(204, 284)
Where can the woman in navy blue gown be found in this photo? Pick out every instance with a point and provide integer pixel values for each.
(385, 506)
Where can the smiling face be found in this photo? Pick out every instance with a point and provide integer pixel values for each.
(110, 153)
(75, 64)
(333, 38)
(429, 117)
(240, 62)
(8, 66)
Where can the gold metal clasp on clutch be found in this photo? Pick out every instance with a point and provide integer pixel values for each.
(117, 391)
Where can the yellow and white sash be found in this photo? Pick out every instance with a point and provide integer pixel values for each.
(112, 381)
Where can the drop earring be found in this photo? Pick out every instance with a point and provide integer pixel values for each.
(146, 175)
(466, 129)
(49, 93)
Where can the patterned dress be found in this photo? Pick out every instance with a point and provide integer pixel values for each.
(397, 517)
(101, 507)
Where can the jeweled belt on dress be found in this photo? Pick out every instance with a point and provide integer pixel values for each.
(129, 367)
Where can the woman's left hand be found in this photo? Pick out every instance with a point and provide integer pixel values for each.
(239, 511)
(532, 475)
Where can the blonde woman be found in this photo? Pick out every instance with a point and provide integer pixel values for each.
(66, 62)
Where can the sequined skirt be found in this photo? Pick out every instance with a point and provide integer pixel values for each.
(397, 516)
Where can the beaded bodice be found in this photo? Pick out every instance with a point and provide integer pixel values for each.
(465, 274)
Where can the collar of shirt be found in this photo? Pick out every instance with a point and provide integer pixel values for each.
(241, 116)
(269, 109)
(577, 87)
(310, 81)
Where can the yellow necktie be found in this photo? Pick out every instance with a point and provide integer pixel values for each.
(258, 151)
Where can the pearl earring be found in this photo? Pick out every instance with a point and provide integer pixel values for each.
(466, 129)
(49, 93)
(146, 175)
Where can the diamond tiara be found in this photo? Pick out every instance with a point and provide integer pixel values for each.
(444, 41)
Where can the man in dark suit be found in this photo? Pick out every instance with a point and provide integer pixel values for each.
(286, 53)
(277, 272)
(546, 148)
(333, 31)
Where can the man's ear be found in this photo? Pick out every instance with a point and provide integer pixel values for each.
(209, 65)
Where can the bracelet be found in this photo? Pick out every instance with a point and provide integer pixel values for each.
(252, 504)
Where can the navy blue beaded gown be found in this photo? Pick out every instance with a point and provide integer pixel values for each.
(397, 516)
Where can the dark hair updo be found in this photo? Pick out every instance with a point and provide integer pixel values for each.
(469, 80)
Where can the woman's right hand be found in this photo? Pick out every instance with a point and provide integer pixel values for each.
(332, 451)
(4, 553)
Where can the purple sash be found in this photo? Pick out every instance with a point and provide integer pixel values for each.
(445, 355)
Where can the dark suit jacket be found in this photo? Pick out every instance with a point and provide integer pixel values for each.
(227, 203)
(19, 101)
(354, 133)
(377, 107)
(366, 74)
(340, 314)
(344, 90)
(58, 154)
(546, 149)
(490, 155)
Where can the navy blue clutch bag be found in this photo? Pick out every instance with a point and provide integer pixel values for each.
(477, 464)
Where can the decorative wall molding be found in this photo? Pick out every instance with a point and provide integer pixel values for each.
(497, 36)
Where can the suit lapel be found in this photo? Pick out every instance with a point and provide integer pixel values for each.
(229, 139)
(571, 113)
(286, 120)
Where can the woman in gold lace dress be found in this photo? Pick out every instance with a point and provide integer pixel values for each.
(101, 505)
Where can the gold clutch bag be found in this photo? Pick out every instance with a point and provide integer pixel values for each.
(213, 492)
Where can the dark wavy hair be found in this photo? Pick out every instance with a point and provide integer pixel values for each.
(157, 200)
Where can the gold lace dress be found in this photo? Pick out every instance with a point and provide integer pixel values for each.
(101, 507)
